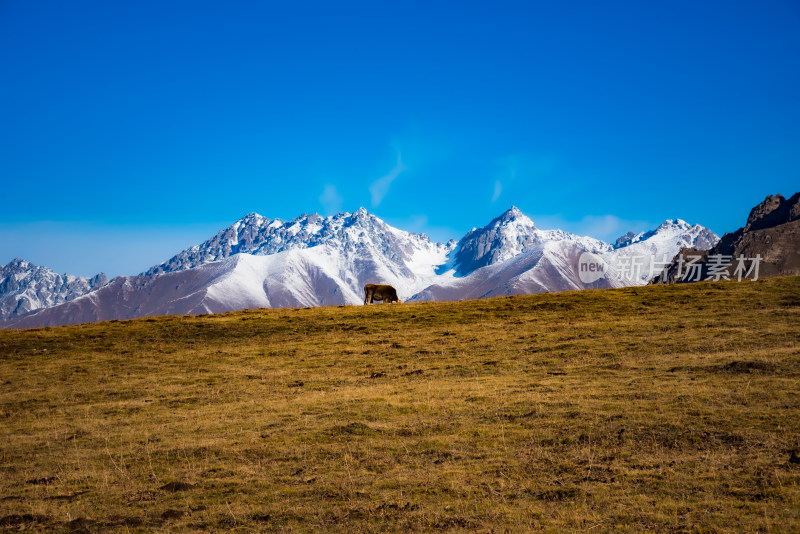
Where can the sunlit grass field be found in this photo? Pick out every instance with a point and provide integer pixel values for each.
(662, 408)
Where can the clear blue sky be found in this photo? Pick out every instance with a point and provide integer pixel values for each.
(130, 130)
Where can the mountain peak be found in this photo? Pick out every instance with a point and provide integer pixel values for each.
(360, 217)
(258, 236)
(673, 223)
(692, 234)
(513, 214)
(507, 235)
(18, 263)
(252, 219)
(774, 210)
(624, 240)
(25, 287)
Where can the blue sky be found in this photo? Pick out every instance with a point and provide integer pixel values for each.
(131, 130)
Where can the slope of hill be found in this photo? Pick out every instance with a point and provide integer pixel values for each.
(660, 408)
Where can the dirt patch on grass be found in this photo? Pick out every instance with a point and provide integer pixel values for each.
(172, 487)
(80, 525)
(355, 429)
(559, 494)
(41, 481)
(18, 520)
(171, 513)
(734, 367)
(67, 497)
(747, 367)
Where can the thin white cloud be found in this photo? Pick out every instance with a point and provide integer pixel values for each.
(498, 189)
(605, 227)
(417, 223)
(528, 166)
(331, 200)
(380, 187)
(516, 170)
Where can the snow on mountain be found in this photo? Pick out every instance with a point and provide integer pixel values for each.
(646, 254)
(505, 237)
(670, 229)
(538, 261)
(550, 266)
(310, 261)
(352, 249)
(768, 243)
(25, 287)
(323, 261)
(260, 236)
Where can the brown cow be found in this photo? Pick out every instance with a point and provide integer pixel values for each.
(382, 292)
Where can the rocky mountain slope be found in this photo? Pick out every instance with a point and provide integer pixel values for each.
(351, 233)
(352, 249)
(25, 287)
(505, 237)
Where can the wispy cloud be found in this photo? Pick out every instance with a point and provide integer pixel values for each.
(605, 227)
(331, 200)
(515, 169)
(421, 224)
(498, 189)
(380, 187)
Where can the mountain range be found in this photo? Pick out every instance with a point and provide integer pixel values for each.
(323, 261)
(25, 288)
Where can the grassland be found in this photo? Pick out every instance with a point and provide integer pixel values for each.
(668, 408)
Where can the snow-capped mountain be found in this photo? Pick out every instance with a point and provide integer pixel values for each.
(260, 236)
(646, 254)
(703, 237)
(25, 287)
(318, 261)
(503, 238)
(510, 256)
(310, 261)
(351, 248)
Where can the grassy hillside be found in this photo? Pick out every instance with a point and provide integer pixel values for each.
(670, 408)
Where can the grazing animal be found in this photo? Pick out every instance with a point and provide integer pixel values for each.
(382, 292)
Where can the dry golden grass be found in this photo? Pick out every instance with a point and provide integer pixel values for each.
(668, 408)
